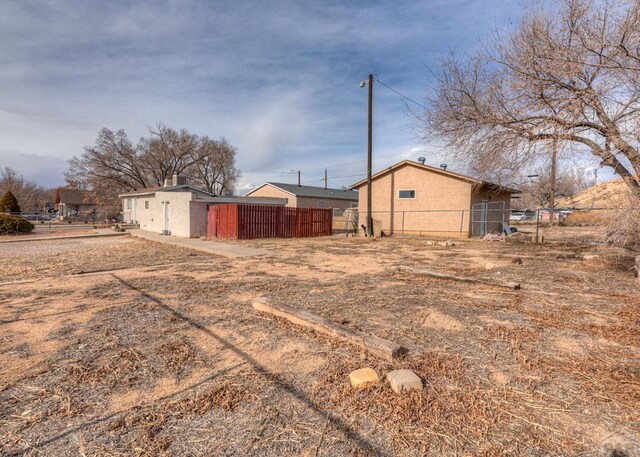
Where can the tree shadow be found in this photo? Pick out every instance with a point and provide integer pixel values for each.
(350, 433)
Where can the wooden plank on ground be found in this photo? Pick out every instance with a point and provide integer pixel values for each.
(438, 275)
(379, 347)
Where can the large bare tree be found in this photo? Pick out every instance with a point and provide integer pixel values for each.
(569, 72)
(536, 191)
(114, 164)
(31, 197)
(214, 170)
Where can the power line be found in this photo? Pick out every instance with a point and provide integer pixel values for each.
(400, 94)
(335, 177)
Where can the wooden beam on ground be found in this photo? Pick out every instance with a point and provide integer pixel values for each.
(379, 347)
(438, 275)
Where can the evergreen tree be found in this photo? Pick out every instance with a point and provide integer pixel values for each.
(9, 203)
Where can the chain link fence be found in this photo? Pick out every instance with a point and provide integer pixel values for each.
(485, 218)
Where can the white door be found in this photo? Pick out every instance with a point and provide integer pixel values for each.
(167, 217)
(134, 210)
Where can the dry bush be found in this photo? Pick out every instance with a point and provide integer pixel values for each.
(621, 227)
(583, 219)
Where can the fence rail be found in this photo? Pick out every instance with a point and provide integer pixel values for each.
(459, 223)
(245, 222)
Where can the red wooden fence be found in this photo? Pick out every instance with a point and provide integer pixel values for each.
(245, 222)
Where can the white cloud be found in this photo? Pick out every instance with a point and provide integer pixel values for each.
(279, 79)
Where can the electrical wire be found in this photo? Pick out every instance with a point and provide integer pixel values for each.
(400, 94)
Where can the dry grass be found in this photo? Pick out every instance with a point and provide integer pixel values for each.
(176, 362)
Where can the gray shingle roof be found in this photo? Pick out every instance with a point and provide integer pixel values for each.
(316, 192)
(75, 197)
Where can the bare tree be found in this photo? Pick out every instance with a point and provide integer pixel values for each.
(167, 152)
(113, 159)
(536, 192)
(571, 74)
(114, 164)
(31, 197)
(214, 171)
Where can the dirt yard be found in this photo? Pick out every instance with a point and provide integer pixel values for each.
(125, 347)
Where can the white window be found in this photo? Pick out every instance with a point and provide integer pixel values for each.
(320, 204)
(403, 194)
(129, 203)
(146, 204)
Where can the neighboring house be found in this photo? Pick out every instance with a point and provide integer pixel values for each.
(177, 208)
(74, 202)
(307, 196)
(414, 198)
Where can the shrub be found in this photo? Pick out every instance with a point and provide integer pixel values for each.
(9, 203)
(13, 224)
(582, 219)
(622, 227)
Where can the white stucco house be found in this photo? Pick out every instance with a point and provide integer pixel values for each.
(177, 208)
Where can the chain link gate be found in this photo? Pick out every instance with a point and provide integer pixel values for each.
(487, 217)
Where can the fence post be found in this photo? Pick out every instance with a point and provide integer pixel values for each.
(461, 222)
(537, 224)
(403, 223)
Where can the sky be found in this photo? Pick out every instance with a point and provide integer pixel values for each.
(278, 79)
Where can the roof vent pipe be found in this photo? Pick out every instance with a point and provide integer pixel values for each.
(443, 166)
(421, 160)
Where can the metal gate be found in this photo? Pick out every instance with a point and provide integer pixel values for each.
(487, 217)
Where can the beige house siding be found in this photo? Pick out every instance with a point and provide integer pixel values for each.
(437, 210)
(313, 202)
(441, 207)
(293, 201)
(270, 191)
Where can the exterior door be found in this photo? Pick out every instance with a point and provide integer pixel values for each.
(167, 217)
(134, 209)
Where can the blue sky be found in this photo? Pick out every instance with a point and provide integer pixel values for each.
(278, 79)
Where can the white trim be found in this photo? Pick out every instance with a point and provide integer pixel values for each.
(407, 190)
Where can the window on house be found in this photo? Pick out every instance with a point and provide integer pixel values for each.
(129, 203)
(406, 194)
(320, 204)
(146, 204)
(354, 204)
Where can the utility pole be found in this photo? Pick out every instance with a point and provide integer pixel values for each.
(370, 158)
(552, 197)
(298, 178)
(325, 178)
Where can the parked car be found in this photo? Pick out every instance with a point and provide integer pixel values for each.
(517, 216)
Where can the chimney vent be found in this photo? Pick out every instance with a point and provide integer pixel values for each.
(421, 160)
(443, 166)
(168, 182)
(179, 180)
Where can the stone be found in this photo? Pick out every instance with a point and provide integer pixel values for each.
(404, 381)
(363, 378)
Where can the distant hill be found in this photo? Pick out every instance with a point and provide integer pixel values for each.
(610, 194)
